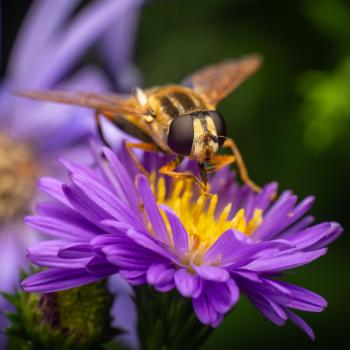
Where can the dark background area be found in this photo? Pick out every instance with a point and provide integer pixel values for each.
(291, 122)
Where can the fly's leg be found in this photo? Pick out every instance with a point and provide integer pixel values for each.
(204, 176)
(168, 169)
(219, 161)
(149, 147)
(241, 166)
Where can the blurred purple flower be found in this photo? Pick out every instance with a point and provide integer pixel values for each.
(160, 232)
(32, 134)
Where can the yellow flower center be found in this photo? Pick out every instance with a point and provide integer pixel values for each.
(199, 215)
(18, 175)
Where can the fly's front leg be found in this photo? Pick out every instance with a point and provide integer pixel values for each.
(219, 161)
(204, 176)
(168, 169)
(149, 147)
(240, 164)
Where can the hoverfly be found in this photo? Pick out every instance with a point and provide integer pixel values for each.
(177, 119)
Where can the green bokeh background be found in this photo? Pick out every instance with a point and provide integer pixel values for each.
(291, 122)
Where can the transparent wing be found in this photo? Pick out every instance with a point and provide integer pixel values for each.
(101, 102)
(216, 81)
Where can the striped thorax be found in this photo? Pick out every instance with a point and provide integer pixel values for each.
(184, 123)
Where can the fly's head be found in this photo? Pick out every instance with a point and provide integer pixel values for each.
(197, 135)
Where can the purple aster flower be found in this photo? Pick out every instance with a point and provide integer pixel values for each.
(161, 232)
(32, 133)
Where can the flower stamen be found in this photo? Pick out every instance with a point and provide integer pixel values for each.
(199, 214)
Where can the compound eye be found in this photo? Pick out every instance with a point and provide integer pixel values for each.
(220, 125)
(181, 134)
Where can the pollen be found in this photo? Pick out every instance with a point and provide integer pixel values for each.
(201, 217)
(18, 174)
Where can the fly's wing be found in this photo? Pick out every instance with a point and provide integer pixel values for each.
(106, 104)
(216, 81)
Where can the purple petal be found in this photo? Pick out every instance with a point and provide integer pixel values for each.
(329, 236)
(160, 274)
(118, 226)
(99, 266)
(56, 279)
(11, 258)
(74, 168)
(63, 125)
(224, 248)
(114, 137)
(264, 198)
(301, 209)
(62, 223)
(75, 251)
(238, 193)
(304, 306)
(247, 203)
(53, 188)
(118, 57)
(304, 299)
(104, 200)
(34, 35)
(83, 205)
(129, 256)
(212, 273)
(280, 311)
(301, 324)
(88, 208)
(247, 253)
(217, 179)
(152, 209)
(134, 277)
(311, 235)
(46, 254)
(126, 185)
(180, 236)
(273, 291)
(60, 228)
(86, 27)
(75, 225)
(188, 284)
(269, 309)
(148, 242)
(298, 226)
(205, 310)
(101, 241)
(222, 295)
(117, 284)
(275, 217)
(218, 321)
(124, 311)
(285, 262)
(249, 275)
(165, 287)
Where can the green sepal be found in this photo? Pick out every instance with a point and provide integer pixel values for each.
(76, 319)
(166, 321)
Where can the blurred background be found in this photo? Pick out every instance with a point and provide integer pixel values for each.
(291, 122)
